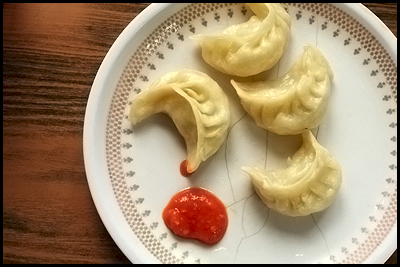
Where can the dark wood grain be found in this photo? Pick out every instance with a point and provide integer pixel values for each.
(387, 12)
(51, 54)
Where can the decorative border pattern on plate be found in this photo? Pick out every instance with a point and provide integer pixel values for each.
(139, 60)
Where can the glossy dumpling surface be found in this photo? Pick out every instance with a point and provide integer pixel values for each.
(308, 184)
(251, 47)
(197, 105)
(296, 101)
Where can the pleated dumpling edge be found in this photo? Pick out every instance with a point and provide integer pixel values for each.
(308, 184)
(197, 105)
(251, 47)
(293, 102)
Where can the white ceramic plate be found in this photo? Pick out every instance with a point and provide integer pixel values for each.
(134, 171)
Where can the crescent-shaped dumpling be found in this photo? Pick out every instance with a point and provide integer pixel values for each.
(251, 47)
(197, 105)
(296, 101)
(309, 184)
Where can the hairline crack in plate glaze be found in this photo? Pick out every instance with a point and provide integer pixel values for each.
(141, 235)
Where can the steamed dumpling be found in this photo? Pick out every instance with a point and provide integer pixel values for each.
(197, 105)
(252, 47)
(309, 184)
(293, 102)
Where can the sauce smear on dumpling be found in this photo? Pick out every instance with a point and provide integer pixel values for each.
(183, 169)
(196, 213)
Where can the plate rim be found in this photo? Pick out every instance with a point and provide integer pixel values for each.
(377, 27)
(107, 211)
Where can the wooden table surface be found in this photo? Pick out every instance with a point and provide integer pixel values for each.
(51, 54)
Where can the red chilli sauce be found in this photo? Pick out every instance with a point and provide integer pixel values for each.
(196, 213)
(183, 169)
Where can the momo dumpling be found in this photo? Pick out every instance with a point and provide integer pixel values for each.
(296, 101)
(251, 47)
(309, 184)
(197, 105)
